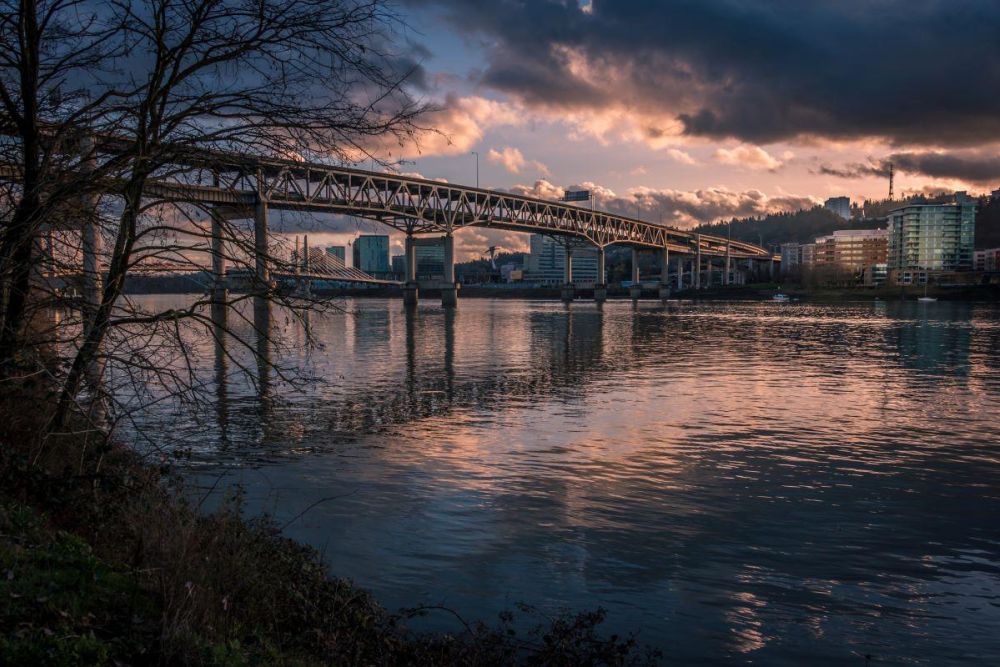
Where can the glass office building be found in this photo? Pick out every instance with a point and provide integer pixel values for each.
(371, 254)
(547, 262)
(931, 238)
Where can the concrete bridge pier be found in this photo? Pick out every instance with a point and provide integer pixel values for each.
(260, 251)
(219, 292)
(665, 274)
(680, 273)
(410, 292)
(635, 291)
(449, 290)
(601, 287)
(729, 265)
(697, 262)
(568, 291)
(708, 273)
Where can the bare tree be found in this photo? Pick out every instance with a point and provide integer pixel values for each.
(45, 48)
(171, 85)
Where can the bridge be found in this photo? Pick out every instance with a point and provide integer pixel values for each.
(243, 187)
(235, 186)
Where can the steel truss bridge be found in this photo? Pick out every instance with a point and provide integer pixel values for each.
(239, 185)
(242, 187)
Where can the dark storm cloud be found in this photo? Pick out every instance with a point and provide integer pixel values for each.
(908, 70)
(972, 166)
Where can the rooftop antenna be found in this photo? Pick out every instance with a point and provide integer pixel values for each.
(890, 181)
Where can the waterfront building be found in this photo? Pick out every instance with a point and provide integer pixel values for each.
(875, 275)
(797, 257)
(839, 205)
(791, 257)
(338, 251)
(371, 254)
(928, 239)
(807, 255)
(511, 272)
(852, 249)
(986, 260)
(399, 266)
(430, 257)
(546, 263)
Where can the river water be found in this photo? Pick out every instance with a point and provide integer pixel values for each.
(746, 483)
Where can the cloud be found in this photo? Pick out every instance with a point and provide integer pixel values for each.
(749, 157)
(677, 155)
(688, 208)
(680, 208)
(455, 127)
(978, 166)
(761, 72)
(513, 160)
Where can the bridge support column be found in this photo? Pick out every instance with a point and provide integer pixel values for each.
(449, 290)
(568, 291)
(665, 274)
(770, 270)
(725, 275)
(635, 291)
(410, 296)
(680, 273)
(601, 288)
(697, 262)
(263, 274)
(219, 294)
(708, 273)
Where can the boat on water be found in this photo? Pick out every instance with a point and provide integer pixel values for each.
(780, 297)
(925, 297)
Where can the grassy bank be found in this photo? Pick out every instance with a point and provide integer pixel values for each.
(103, 561)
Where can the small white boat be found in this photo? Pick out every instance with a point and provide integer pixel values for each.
(780, 297)
(927, 298)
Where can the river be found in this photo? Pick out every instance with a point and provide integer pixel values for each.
(747, 483)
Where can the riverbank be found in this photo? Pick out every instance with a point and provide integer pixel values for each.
(106, 561)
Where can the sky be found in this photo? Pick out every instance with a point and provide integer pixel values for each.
(689, 111)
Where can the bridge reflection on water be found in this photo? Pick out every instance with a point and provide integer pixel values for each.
(562, 349)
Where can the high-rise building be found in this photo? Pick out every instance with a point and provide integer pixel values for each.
(547, 262)
(931, 238)
(338, 251)
(371, 254)
(399, 266)
(854, 249)
(839, 205)
(430, 257)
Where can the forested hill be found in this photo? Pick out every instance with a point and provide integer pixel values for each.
(776, 228)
